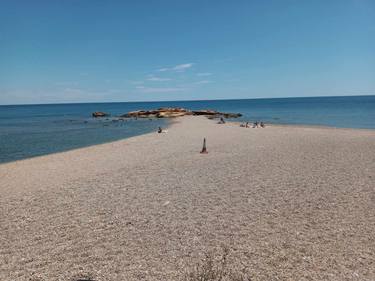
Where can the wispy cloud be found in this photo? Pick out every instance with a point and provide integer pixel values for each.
(158, 79)
(159, 90)
(203, 82)
(182, 67)
(177, 68)
(136, 82)
(60, 95)
(204, 74)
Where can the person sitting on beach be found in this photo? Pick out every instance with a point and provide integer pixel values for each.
(262, 125)
(160, 130)
(255, 125)
(222, 121)
(247, 125)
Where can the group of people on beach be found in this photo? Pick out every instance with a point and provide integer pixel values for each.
(256, 124)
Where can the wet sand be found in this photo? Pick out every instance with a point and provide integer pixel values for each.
(291, 203)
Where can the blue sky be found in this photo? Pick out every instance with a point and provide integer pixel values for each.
(91, 51)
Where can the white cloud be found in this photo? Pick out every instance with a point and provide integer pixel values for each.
(182, 67)
(158, 79)
(203, 82)
(59, 95)
(136, 82)
(177, 68)
(204, 74)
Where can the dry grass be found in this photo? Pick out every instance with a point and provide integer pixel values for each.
(216, 268)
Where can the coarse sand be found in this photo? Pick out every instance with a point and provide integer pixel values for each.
(290, 203)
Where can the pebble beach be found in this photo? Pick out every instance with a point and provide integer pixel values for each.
(288, 202)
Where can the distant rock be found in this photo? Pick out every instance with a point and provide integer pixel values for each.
(172, 112)
(158, 113)
(231, 115)
(100, 114)
(205, 112)
(214, 113)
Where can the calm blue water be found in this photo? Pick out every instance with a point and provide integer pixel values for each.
(32, 130)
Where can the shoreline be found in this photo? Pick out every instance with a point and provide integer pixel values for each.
(81, 147)
(172, 121)
(288, 203)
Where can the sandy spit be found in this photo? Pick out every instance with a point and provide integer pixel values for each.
(291, 203)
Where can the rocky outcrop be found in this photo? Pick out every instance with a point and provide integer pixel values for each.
(177, 112)
(216, 113)
(140, 114)
(100, 114)
(204, 112)
(158, 113)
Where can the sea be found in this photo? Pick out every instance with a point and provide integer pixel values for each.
(33, 130)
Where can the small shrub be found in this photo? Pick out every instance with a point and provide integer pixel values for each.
(216, 269)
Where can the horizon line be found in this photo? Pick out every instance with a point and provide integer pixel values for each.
(193, 100)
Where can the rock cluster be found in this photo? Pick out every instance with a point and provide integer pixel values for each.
(214, 113)
(158, 113)
(170, 112)
(100, 114)
(177, 112)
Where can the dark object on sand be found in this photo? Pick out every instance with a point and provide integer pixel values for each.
(160, 130)
(97, 114)
(204, 148)
(262, 125)
(222, 121)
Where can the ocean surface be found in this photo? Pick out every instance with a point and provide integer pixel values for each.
(33, 130)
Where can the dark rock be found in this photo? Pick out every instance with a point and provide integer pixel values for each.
(205, 112)
(100, 114)
(231, 115)
(176, 112)
(216, 114)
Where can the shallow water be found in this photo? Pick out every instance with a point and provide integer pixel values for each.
(32, 130)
